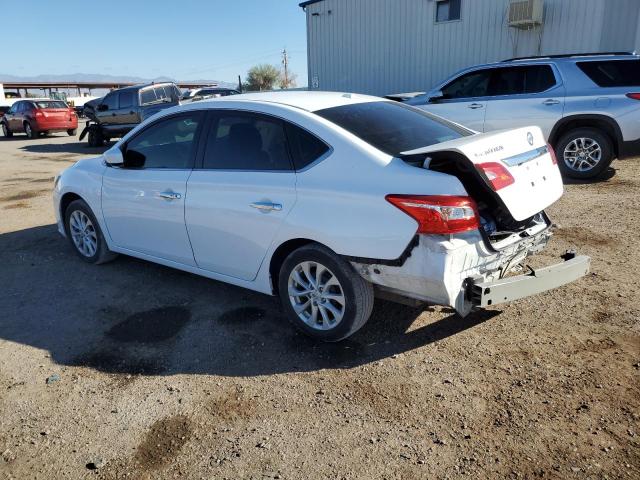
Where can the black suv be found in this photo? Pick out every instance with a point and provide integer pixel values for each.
(121, 110)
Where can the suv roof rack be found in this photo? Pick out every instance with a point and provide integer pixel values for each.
(569, 55)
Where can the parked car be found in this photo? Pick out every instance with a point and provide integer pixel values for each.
(587, 105)
(118, 112)
(324, 199)
(37, 116)
(207, 92)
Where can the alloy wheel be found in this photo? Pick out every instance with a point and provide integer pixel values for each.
(582, 154)
(83, 233)
(316, 295)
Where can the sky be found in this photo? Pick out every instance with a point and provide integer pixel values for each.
(184, 40)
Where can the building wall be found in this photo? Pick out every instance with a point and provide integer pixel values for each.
(392, 46)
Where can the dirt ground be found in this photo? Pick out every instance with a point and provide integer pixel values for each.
(135, 370)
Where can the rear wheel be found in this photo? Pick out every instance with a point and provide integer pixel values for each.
(5, 130)
(323, 295)
(584, 153)
(72, 132)
(28, 129)
(85, 235)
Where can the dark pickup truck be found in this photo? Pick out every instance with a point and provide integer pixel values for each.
(120, 111)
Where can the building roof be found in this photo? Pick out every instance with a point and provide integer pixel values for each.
(305, 100)
(309, 2)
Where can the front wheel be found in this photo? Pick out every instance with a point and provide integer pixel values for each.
(5, 131)
(584, 153)
(95, 138)
(323, 295)
(85, 235)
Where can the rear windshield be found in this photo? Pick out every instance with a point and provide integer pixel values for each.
(613, 73)
(51, 104)
(392, 127)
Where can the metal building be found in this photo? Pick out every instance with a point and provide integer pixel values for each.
(390, 46)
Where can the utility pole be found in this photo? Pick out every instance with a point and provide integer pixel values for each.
(285, 63)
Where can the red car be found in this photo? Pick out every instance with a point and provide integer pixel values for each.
(34, 117)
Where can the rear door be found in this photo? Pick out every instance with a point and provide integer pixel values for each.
(241, 193)
(464, 100)
(524, 95)
(143, 201)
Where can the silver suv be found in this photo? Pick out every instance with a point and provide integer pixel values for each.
(588, 105)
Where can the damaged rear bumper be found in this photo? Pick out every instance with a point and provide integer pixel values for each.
(486, 293)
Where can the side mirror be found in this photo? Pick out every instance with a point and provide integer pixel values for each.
(103, 108)
(436, 96)
(113, 157)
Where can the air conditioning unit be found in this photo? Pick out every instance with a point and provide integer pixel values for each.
(525, 13)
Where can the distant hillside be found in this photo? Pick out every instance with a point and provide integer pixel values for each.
(98, 78)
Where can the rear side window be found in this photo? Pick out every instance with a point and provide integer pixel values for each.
(612, 73)
(305, 147)
(519, 80)
(392, 127)
(246, 141)
(126, 99)
(168, 143)
(147, 96)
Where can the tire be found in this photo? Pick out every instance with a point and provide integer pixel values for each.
(5, 130)
(72, 132)
(28, 129)
(594, 153)
(95, 138)
(356, 292)
(90, 246)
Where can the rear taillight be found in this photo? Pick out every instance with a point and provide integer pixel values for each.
(438, 214)
(496, 174)
(552, 152)
(634, 95)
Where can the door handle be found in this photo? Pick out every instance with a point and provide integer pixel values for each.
(551, 101)
(475, 105)
(170, 195)
(266, 206)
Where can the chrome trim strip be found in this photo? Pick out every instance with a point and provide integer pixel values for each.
(526, 156)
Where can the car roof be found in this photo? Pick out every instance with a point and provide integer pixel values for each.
(563, 59)
(310, 101)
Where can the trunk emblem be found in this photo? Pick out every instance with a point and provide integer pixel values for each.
(530, 138)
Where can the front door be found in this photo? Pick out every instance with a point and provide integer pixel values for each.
(463, 100)
(143, 201)
(240, 196)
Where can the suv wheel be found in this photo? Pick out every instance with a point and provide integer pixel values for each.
(584, 153)
(85, 235)
(5, 131)
(323, 295)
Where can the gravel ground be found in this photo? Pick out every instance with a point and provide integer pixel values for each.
(133, 369)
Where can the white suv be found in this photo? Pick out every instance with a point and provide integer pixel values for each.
(587, 105)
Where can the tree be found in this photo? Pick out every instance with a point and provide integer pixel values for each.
(262, 77)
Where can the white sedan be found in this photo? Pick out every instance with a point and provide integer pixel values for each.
(325, 199)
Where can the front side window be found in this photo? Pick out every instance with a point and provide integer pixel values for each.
(111, 101)
(447, 10)
(469, 85)
(246, 141)
(392, 127)
(168, 143)
(613, 73)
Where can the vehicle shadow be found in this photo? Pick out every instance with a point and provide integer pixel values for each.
(138, 318)
(78, 148)
(607, 175)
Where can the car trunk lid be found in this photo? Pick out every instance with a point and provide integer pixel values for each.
(516, 164)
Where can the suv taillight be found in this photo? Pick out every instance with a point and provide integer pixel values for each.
(634, 96)
(438, 214)
(496, 174)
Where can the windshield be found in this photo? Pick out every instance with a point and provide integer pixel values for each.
(392, 127)
(51, 104)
